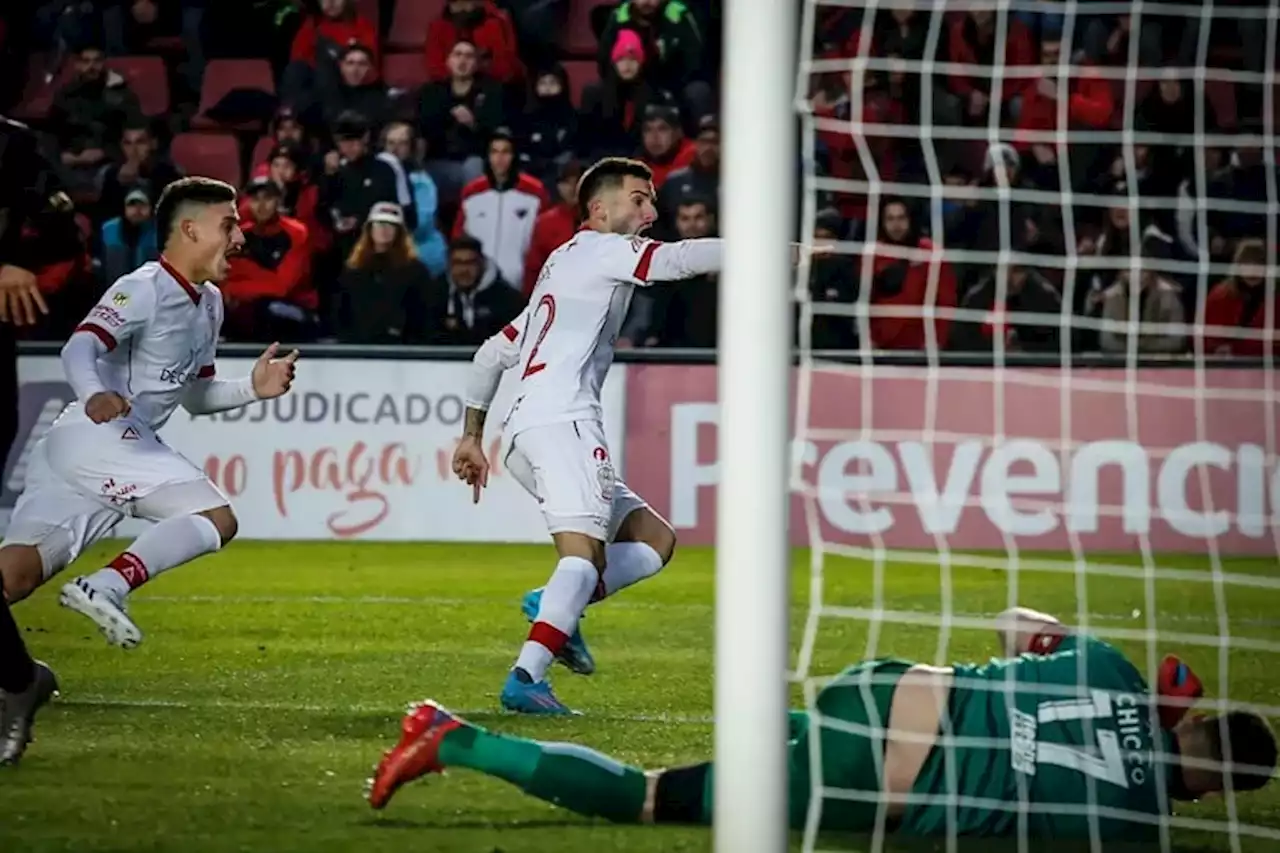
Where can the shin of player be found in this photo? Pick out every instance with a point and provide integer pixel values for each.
(147, 347)
(562, 346)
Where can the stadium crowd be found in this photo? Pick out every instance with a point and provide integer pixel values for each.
(408, 166)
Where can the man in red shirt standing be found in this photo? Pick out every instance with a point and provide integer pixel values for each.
(482, 24)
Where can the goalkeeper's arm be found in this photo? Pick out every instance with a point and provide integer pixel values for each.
(1021, 630)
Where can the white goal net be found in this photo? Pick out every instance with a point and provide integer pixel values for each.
(1037, 361)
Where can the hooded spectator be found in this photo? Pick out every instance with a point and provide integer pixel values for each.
(501, 207)
(903, 279)
(382, 291)
(1240, 303)
(555, 225)
(482, 24)
(268, 294)
(549, 127)
(613, 110)
(672, 44)
(471, 302)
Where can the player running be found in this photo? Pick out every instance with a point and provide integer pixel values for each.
(1066, 734)
(146, 347)
(606, 536)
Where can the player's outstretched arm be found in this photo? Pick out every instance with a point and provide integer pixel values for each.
(271, 377)
(1021, 630)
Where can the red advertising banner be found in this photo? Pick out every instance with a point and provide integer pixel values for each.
(1098, 460)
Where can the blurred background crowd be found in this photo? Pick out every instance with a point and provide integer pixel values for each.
(407, 165)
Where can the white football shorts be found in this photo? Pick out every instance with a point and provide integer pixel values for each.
(568, 469)
(83, 478)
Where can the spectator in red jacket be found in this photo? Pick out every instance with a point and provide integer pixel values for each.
(268, 293)
(904, 281)
(482, 24)
(664, 146)
(299, 194)
(555, 225)
(1240, 302)
(1090, 102)
(313, 70)
(500, 208)
(973, 42)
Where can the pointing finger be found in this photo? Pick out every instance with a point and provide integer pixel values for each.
(291, 357)
(270, 352)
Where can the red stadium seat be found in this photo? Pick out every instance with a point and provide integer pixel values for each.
(213, 155)
(578, 39)
(224, 75)
(148, 78)
(1221, 94)
(581, 72)
(261, 151)
(404, 70)
(409, 26)
(37, 97)
(370, 9)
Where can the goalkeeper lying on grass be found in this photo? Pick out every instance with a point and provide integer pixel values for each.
(1065, 722)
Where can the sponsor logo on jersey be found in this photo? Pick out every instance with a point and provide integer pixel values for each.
(120, 298)
(109, 316)
(1022, 741)
(118, 494)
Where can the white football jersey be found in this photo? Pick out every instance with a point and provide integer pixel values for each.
(568, 332)
(161, 333)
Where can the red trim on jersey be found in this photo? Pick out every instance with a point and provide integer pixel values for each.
(206, 372)
(511, 332)
(646, 258)
(108, 339)
(181, 280)
(548, 636)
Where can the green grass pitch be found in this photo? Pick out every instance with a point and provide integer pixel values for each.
(274, 674)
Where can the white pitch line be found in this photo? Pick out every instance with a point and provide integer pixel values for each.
(394, 711)
(445, 601)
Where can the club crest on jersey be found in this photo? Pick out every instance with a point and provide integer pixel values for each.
(121, 299)
(605, 478)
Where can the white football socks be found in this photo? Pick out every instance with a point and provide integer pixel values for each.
(164, 546)
(563, 599)
(629, 563)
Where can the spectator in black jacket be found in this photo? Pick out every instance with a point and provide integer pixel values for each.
(358, 180)
(1027, 293)
(455, 117)
(678, 313)
(700, 179)
(547, 134)
(140, 165)
(381, 292)
(358, 89)
(613, 110)
(471, 302)
(673, 46)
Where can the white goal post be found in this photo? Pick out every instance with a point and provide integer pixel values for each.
(752, 582)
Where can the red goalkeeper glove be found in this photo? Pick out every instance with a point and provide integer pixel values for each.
(1178, 684)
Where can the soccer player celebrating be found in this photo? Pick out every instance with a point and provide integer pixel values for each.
(1063, 733)
(146, 347)
(562, 345)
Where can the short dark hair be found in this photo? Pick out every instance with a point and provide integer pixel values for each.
(466, 243)
(185, 191)
(1251, 744)
(606, 174)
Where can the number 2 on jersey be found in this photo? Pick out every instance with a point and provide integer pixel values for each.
(549, 302)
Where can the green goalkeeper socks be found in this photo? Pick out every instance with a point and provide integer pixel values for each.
(570, 776)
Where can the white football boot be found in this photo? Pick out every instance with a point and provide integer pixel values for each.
(105, 608)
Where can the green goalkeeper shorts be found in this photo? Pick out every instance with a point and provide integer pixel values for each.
(850, 733)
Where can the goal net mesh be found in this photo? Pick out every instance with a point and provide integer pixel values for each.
(1037, 369)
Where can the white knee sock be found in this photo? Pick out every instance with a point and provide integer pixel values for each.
(628, 563)
(563, 599)
(164, 546)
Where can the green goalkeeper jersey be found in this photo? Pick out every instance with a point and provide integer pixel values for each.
(1051, 740)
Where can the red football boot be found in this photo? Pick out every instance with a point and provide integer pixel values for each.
(1177, 690)
(417, 753)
